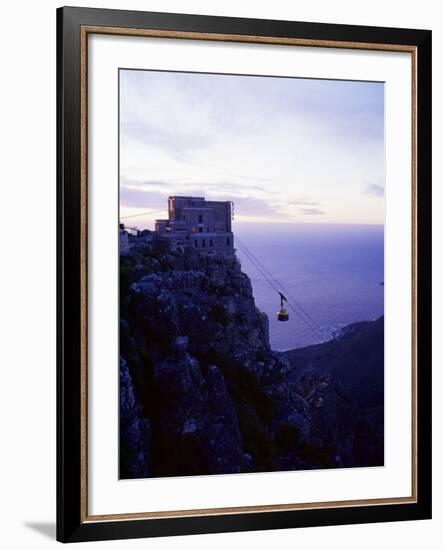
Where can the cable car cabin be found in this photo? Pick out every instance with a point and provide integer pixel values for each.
(282, 314)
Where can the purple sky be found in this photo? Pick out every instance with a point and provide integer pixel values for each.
(283, 149)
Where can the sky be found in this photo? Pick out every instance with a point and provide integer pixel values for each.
(285, 150)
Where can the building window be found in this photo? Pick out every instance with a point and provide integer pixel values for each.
(203, 243)
(200, 229)
(196, 243)
(228, 241)
(207, 230)
(200, 218)
(210, 242)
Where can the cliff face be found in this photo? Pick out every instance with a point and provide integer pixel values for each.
(201, 391)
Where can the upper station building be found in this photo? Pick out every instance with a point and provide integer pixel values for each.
(206, 225)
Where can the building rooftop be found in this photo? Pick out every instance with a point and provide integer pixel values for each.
(186, 197)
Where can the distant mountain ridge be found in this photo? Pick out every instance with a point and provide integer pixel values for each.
(354, 358)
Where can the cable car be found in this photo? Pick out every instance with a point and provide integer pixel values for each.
(282, 313)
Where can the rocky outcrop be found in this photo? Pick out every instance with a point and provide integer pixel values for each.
(354, 361)
(202, 392)
(135, 433)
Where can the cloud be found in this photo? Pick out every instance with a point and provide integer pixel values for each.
(233, 188)
(125, 182)
(139, 198)
(312, 212)
(243, 138)
(252, 178)
(302, 202)
(177, 144)
(375, 190)
(245, 207)
(217, 190)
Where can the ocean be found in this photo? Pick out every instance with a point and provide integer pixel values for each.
(332, 275)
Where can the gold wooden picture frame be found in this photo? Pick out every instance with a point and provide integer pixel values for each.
(75, 522)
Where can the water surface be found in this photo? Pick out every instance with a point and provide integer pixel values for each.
(332, 272)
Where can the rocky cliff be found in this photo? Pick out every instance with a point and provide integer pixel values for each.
(202, 392)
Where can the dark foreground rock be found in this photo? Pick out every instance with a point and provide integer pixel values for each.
(203, 393)
(354, 359)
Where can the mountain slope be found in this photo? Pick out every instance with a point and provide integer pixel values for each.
(202, 392)
(354, 358)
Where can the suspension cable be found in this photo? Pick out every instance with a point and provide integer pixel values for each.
(277, 289)
(276, 285)
(286, 291)
(300, 311)
(291, 306)
(271, 276)
(143, 214)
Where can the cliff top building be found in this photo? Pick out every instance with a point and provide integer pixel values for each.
(206, 225)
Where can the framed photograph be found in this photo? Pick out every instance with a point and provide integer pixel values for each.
(244, 274)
